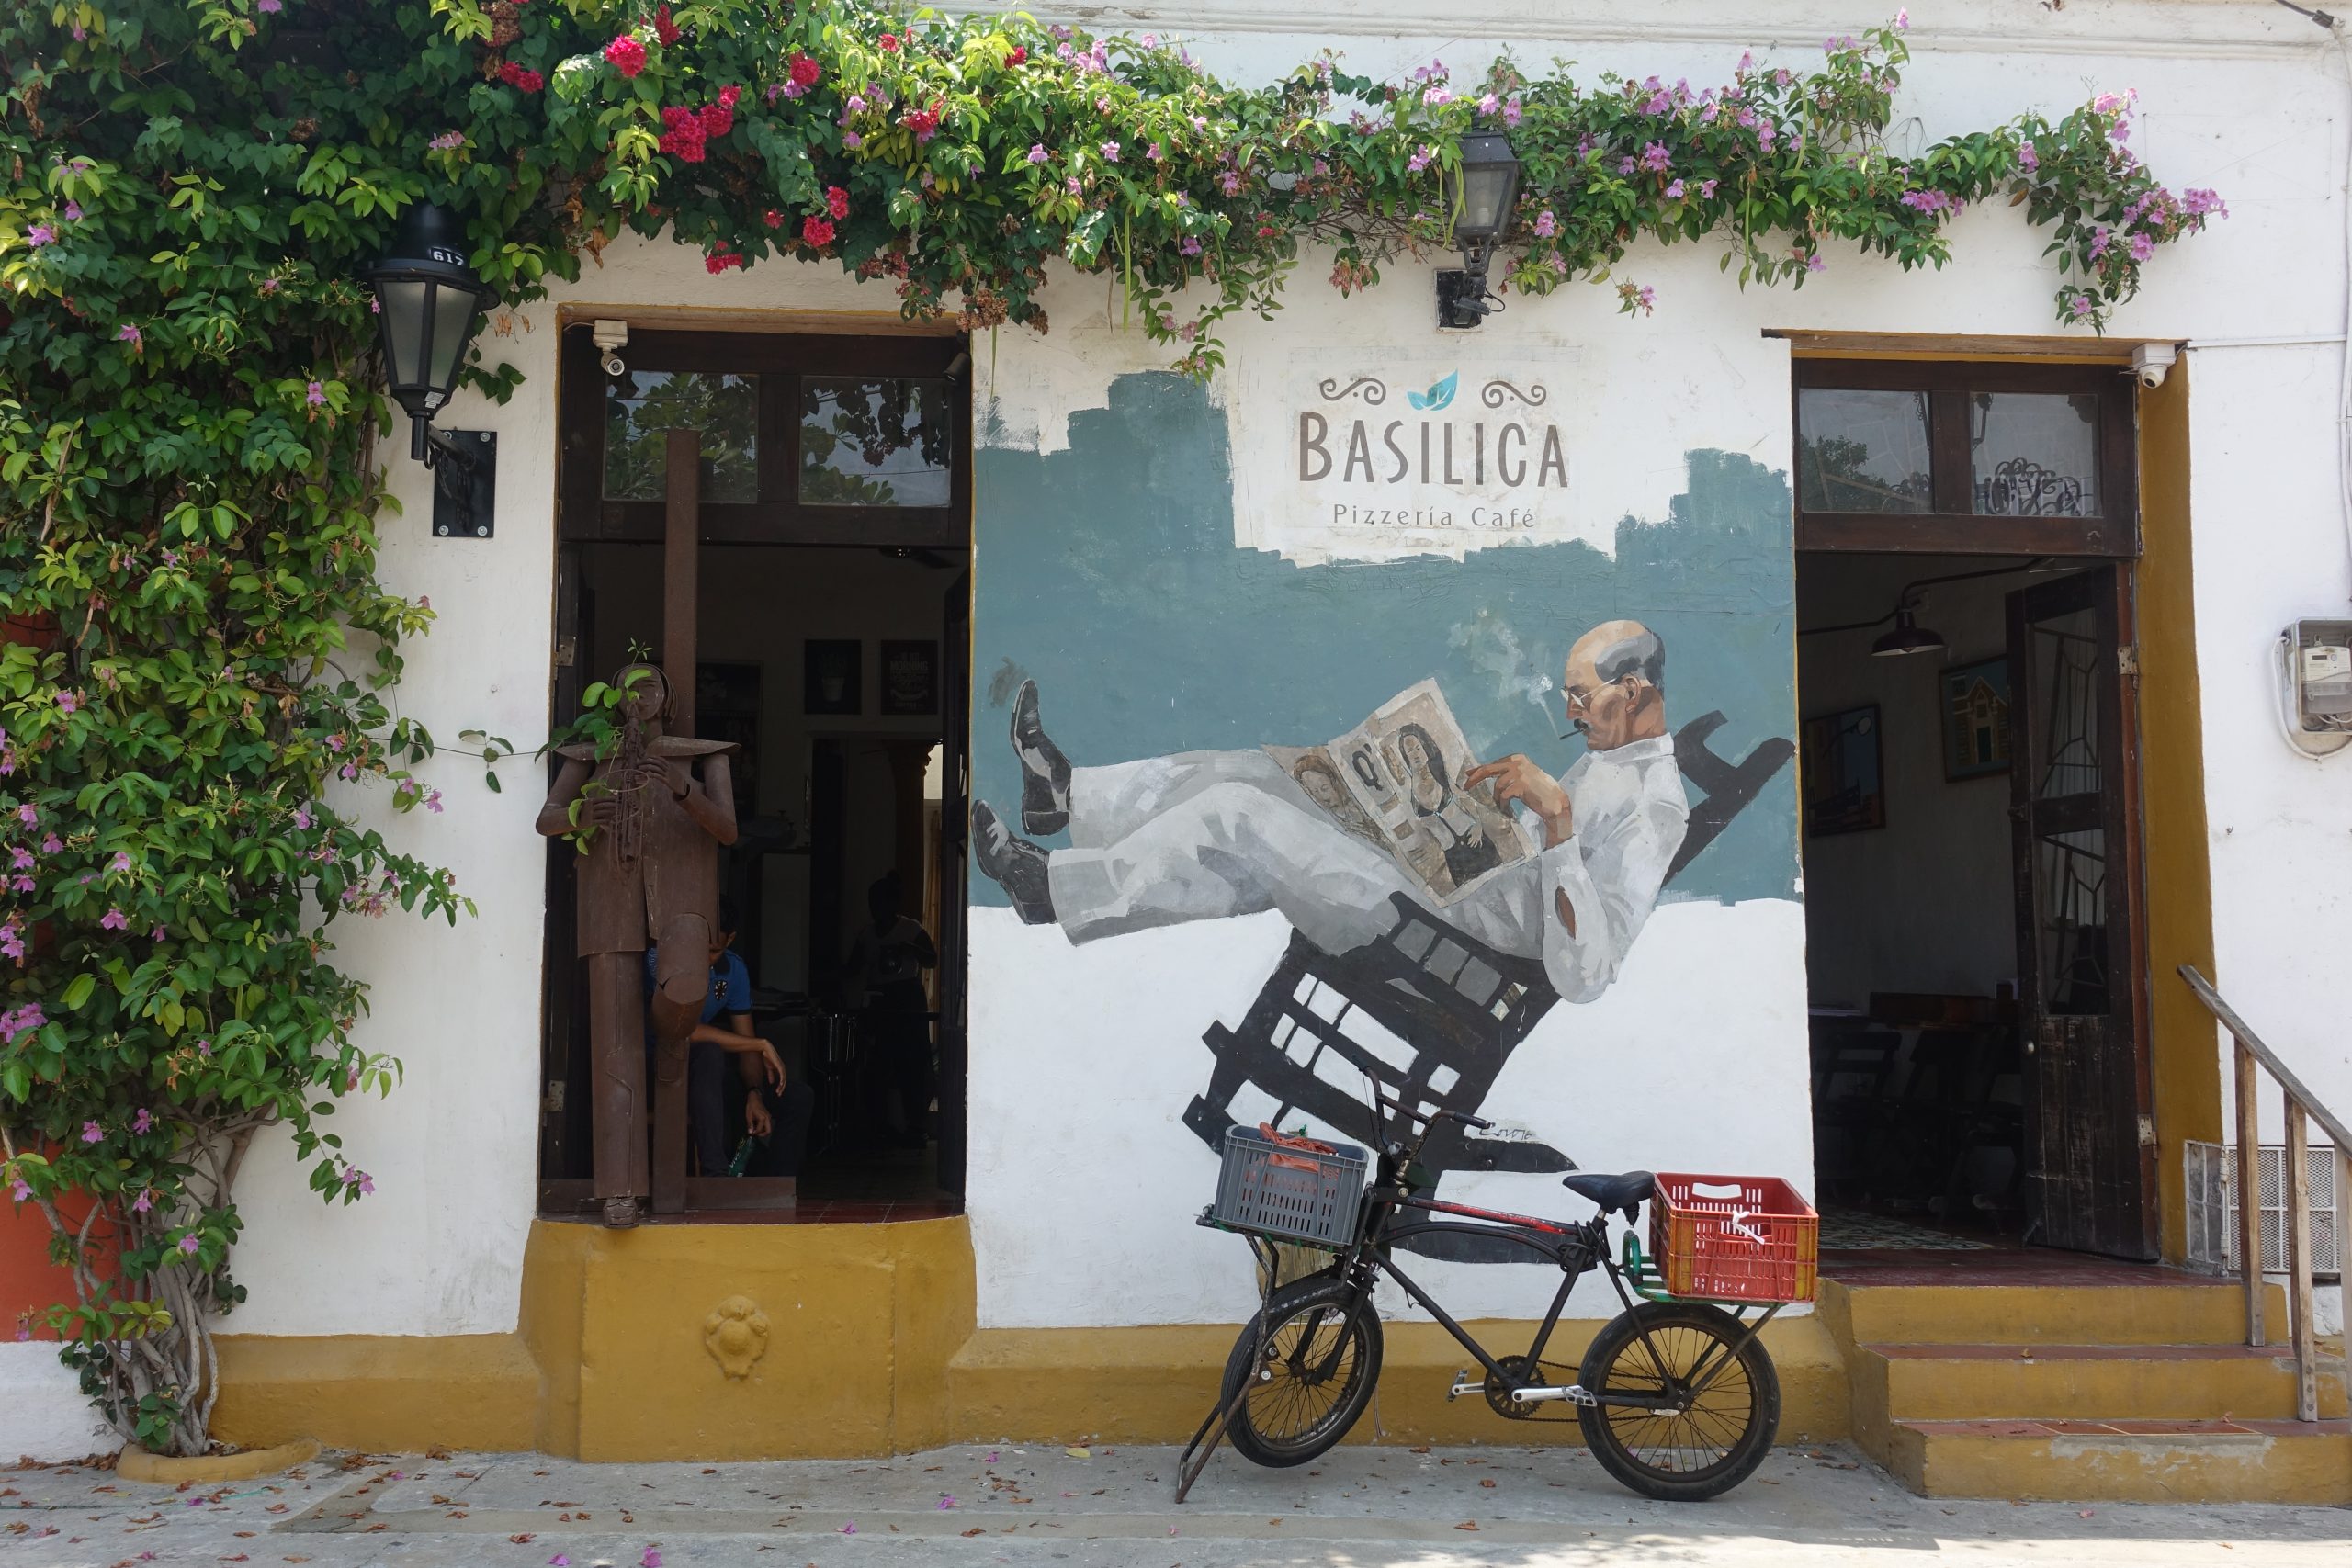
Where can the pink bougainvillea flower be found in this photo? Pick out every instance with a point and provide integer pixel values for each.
(92, 1133)
(559, 1561)
(159, 934)
(41, 234)
(21, 858)
(142, 1121)
(315, 395)
(69, 702)
(1545, 224)
(144, 1201)
(302, 817)
(852, 141)
(131, 335)
(447, 142)
(113, 920)
(652, 1559)
(19, 1191)
(334, 742)
(626, 55)
(189, 1244)
(122, 861)
(947, 1500)
(1191, 247)
(849, 1529)
(23, 883)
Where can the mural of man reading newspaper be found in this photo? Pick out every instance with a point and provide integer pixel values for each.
(1328, 834)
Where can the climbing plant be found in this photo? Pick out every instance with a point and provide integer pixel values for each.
(196, 689)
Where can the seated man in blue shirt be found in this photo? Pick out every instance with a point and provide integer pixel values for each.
(773, 1110)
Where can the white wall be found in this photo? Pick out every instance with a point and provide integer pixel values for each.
(2228, 103)
(1925, 903)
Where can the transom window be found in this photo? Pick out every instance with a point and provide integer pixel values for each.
(806, 439)
(1978, 458)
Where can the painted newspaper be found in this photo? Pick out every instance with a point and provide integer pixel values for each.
(1394, 781)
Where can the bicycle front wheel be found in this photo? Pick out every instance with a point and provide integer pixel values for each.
(1312, 1377)
(1705, 1412)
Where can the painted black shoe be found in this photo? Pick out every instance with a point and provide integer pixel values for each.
(1014, 863)
(1044, 771)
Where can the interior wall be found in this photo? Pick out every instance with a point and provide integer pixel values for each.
(1923, 904)
(761, 605)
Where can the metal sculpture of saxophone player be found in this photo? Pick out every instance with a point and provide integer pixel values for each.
(647, 875)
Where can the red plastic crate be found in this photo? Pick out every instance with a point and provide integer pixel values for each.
(1738, 1238)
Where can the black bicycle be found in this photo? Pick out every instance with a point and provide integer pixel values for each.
(1677, 1396)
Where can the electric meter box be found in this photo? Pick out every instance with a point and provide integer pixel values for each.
(2320, 665)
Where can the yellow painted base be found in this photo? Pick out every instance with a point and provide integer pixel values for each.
(137, 1465)
(1153, 1385)
(859, 1339)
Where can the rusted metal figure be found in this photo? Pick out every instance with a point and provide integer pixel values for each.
(650, 874)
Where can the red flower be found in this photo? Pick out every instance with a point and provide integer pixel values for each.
(773, 219)
(1267, 231)
(720, 262)
(816, 230)
(685, 138)
(803, 70)
(890, 42)
(626, 54)
(730, 95)
(664, 29)
(513, 75)
(718, 119)
(922, 122)
(1020, 55)
(837, 201)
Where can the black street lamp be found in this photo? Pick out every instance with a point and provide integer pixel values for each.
(1478, 198)
(429, 303)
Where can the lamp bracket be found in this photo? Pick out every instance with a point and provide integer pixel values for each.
(465, 482)
(1463, 301)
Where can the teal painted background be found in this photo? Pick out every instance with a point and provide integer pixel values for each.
(1107, 572)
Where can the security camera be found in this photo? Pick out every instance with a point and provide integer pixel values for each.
(2150, 360)
(610, 338)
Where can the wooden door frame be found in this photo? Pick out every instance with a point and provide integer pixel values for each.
(777, 517)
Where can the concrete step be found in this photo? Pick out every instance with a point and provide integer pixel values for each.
(2178, 1310)
(1960, 1382)
(2126, 1461)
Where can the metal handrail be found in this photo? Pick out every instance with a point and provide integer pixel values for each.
(2303, 1107)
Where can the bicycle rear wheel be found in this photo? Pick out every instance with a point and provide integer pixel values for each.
(1320, 1361)
(1678, 1446)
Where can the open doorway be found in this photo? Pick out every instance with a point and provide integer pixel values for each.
(831, 585)
(1970, 806)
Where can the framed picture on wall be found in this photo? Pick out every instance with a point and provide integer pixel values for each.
(1845, 790)
(1976, 720)
(910, 678)
(834, 676)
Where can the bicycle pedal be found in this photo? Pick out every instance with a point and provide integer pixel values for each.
(1462, 1385)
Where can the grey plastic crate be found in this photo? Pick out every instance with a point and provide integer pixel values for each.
(1292, 1194)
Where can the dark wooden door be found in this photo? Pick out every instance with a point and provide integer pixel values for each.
(2090, 1153)
(954, 818)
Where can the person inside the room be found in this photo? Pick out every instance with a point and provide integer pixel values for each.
(884, 966)
(773, 1107)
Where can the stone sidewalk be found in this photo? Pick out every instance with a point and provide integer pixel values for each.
(1361, 1506)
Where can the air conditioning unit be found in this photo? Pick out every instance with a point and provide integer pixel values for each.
(2212, 1191)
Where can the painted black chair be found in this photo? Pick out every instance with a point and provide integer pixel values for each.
(1431, 1010)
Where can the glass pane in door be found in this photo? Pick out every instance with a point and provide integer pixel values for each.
(642, 407)
(2070, 919)
(875, 441)
(2063, 661)
(2035, 454)
(1863, 451)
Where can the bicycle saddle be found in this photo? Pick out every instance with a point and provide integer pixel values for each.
(1627, 1192)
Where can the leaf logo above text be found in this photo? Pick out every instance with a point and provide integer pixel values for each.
(1440, 394)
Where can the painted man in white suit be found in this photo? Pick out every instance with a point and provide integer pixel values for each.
(1209, 834)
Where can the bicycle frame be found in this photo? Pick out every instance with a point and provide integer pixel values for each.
(1576, 1247)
